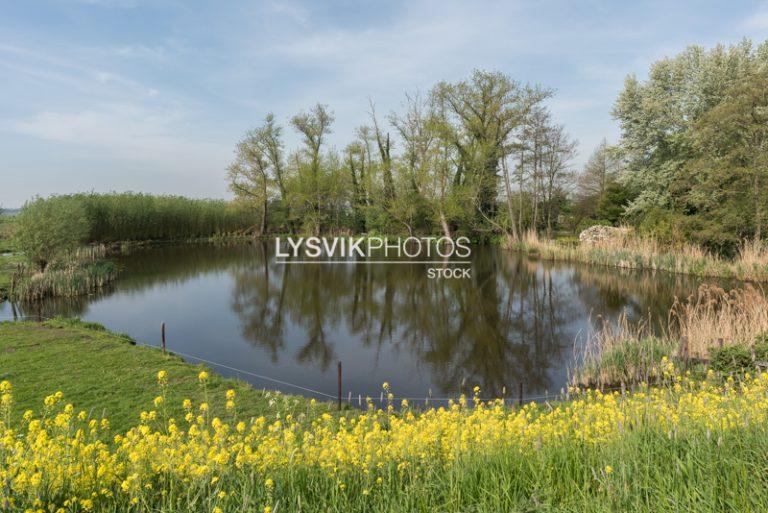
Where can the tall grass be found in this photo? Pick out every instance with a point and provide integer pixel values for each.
(633, 252)
(133, 217)
(620, 352)
(714, 315)
(80, 272)
(625, 352)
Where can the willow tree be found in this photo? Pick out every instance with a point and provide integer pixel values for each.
(314, 125)
(487, 108)
(249, 177)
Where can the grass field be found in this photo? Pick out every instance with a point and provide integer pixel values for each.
(105, 374)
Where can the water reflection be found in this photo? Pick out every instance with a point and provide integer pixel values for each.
(515, 320)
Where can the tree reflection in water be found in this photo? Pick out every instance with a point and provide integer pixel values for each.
(502, 326)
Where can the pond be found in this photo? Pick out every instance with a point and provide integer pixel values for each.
(516, 320)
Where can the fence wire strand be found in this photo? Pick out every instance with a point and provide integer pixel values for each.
(362, 398)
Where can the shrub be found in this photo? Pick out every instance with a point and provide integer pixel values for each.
(47, 228)
(736, 358)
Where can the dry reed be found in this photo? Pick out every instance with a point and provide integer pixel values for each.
(629, 352)
(633, 252)
(713, 314)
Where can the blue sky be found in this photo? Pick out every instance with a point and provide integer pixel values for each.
(152, 95)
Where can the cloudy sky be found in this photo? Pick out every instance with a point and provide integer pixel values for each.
(152, 95)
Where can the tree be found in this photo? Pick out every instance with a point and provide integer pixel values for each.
(487, 108)
(599, 174)
(46, 229)
(314, 126)
(558, 152)
(249, 174)
(728, 183)
(385, 152)
(657, 116)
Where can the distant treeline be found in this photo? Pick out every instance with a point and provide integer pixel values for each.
(485, 156)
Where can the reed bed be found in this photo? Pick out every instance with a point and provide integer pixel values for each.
(711, 319)
(81, 271)
(137, 217)
(715, 317)
(633, 252)
(684, 445)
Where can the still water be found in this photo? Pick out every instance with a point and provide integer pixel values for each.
(515, 320)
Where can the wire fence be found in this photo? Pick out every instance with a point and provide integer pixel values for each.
(350, 397)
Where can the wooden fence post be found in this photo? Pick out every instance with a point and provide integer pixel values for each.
(339, 368)
(162, 335)
(684, 351)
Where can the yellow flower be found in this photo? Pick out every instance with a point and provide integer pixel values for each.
(267, 509)
(608, 469)
(230, 394)
(162, 377)
(158, 401)
(187, 404)
(203, 376)
(269, 484)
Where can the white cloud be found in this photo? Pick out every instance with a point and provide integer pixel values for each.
(757, 20)
(124, 132)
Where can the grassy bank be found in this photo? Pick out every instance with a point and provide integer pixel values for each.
(106, 374)
(683, 445)
(751, 263)
(712, 325)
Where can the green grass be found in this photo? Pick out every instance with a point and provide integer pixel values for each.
(105, 373)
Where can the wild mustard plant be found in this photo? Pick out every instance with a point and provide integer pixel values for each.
(63, 460)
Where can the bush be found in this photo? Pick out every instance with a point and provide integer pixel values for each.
(45, 229)
(736, 358)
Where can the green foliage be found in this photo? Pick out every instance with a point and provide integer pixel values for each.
(662, 225)
(437, 171)
(738, 357)
(48, 228)
(612, 202)
(129, 217)
(694, 140)
(70, 277)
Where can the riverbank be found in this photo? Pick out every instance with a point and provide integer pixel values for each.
(726, 330)
(683, 445)
(751, 263)
(105, 373)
